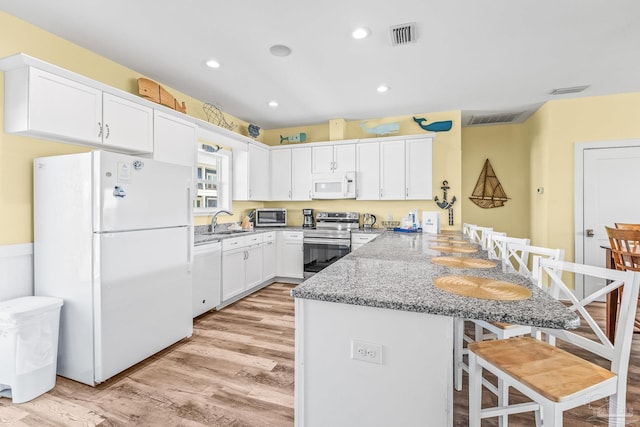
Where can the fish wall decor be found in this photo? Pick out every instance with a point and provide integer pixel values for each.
(299, 137)
(383, 129)
(442, 126)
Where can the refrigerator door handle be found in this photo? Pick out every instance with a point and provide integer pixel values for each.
(191, 240)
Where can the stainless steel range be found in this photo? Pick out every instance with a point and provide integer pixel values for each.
(329, 241)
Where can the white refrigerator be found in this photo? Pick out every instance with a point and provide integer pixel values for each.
(113, 238)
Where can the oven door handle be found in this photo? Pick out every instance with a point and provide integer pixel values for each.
(319, 241)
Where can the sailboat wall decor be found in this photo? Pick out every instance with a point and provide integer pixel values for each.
(488, 192)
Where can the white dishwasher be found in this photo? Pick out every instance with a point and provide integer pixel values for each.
(206, 277)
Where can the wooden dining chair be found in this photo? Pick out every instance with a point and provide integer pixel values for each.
(626, 226)
(554, 378)
(625, 251)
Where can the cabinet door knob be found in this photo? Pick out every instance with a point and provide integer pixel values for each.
(590, 232)
(99, 129)
(108, 133)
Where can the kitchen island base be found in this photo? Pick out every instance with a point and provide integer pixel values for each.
(407, 388)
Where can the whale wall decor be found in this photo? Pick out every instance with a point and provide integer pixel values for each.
(442, 126)
(384, 129)
(299, 137)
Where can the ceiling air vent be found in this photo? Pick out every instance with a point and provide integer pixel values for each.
(565, 90)
(403, 34)
(490, 119)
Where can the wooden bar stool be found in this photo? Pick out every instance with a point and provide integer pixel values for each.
(555, 379)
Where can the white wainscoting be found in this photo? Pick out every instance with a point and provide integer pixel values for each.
(16, 271)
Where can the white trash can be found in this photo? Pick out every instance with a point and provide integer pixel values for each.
(29, 329)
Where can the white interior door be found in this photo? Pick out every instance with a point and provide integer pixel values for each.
(610, 194)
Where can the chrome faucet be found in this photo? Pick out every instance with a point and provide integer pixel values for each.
(214, 219)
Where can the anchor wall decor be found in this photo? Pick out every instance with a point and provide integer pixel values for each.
(444, 204)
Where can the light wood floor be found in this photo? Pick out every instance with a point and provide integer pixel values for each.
(236, 370)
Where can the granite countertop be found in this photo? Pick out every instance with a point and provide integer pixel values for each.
(363, 230)
(202, 237)
(394, 271)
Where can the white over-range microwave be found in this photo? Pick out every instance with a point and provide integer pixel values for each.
(335, 185)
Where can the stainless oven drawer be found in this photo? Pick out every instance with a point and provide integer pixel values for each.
(320, 241)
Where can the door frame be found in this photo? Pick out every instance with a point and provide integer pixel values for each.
(578, 195)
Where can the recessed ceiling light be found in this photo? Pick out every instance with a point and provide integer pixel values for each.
(383, 88)
(280, 50)
(361, 33)
(212, 63)
(273, 104)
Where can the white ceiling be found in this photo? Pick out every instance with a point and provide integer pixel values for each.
(477, 56)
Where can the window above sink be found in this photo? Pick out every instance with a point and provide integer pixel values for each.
(213, 182)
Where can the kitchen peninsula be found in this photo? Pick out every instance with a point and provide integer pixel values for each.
(374, 336)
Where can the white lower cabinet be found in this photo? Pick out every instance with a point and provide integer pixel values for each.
(241, 264)
(291, 261)
(233, 273)
(360, 239)
(206, 277)
(269, 256)
(253, 266)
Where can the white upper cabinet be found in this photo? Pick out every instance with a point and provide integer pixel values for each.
(322, 158)
(42, 104)
(126, 125)
(281, 171)
(174, 140)
(301, 173)
(368, 167)
(418, 172)
(334, 158)
(251, 173)
(392, 170)
(258, 173)
(291, 174)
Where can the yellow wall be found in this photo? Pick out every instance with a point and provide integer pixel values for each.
(447, 150)
(507, 148)
(555, 129)
(540, 153)
(18, 152)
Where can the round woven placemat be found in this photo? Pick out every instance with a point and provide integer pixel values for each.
(440, 240)
(458, 242)
(459, 249)
(453, 261)
(482, 288)
(452, 241)
(445, 235)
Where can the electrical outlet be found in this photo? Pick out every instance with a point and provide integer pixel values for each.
(366, 351)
